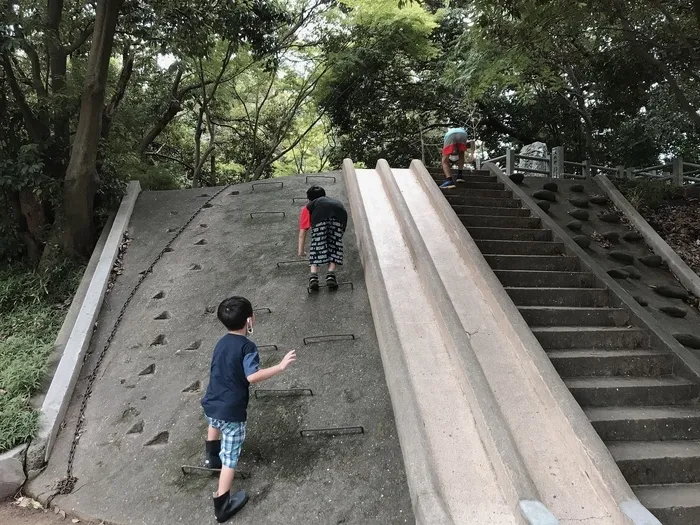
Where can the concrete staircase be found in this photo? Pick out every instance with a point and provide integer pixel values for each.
(643, 411)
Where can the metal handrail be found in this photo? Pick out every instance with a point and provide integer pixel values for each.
(572, 163)
(531, 170)
(694, 179)
(691, 165)
(604, 168)
(652, 168)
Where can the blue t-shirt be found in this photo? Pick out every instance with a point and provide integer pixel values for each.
(452, 131)
(235, 358)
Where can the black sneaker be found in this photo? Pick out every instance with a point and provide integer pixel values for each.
(213, 461)
(313, 282)
(459, 177)
(226, 505)
(331, 281)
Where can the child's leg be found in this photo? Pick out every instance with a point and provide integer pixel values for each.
(213, 434)
(225, 480)
(331, 267)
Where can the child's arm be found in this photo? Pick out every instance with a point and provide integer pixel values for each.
(267, 373)
(302, 242)
(304, 225)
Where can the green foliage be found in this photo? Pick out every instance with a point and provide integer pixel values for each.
(32, 307)
(648, 193)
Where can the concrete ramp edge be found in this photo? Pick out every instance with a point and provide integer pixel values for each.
(428, 504)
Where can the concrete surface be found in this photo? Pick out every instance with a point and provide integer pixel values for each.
(55, 403)
(573, 431)
(680, 269)
(600, 252)
(352, 479)
(457, 456)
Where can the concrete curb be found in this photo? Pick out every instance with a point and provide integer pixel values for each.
(612, 477)
(518, 487)
(55, 404)
(682, 271)
(429, 507)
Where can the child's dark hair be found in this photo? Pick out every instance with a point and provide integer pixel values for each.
(314, 192)
(234, 312)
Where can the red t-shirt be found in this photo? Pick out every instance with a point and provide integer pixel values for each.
(305, 219)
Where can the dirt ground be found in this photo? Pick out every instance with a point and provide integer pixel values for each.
(12, 514)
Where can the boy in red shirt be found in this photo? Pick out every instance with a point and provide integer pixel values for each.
(327, 220)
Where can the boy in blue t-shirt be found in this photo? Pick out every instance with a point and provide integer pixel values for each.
(456, 143)
(234, 365)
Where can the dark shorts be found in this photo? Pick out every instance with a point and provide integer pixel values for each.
(326, 243)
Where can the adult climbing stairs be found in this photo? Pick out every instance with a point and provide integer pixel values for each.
(639, 400)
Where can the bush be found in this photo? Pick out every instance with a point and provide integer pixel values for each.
(648, 192)
(32, 307)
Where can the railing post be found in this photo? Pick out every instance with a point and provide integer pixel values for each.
(620, 172)
(629, 173)
(478, 163)
(556, 163)
(677, 171)
(510, 161)
(586, 169)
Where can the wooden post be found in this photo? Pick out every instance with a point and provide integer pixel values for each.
(677, 175)
(629, 173)
(621, 172)
(587, 168)
(510, 161)
(556, 163)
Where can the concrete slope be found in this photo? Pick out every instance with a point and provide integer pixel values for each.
(529, 448)
(144, 419)
(446, 439)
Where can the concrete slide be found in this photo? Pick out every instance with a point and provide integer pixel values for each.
(485, 435)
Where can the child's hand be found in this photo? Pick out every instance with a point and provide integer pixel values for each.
(288, 360)
(302, 253)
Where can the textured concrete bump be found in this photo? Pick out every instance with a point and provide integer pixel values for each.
(12, 471)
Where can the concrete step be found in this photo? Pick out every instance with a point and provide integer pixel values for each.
(569, 337)
(520, 247)
(631, 391)
(440, 177)
(532, 262)
(653, 423)
(468, 200)
(657, 462)
(474, 185)
(482, 221)
(672, 504)
(436, 171)
(546, 279)
(588, 297)
(574, 316)
(510, 234)
(494, 212)
(605, 362)
(461, 189)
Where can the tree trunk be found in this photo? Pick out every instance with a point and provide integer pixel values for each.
(29, 217)
(173, 109)
(77, 235)
(60, 120)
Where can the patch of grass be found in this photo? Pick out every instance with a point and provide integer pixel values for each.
(647, 192)
(32, 308)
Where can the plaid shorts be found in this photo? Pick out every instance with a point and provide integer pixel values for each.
(232, 438)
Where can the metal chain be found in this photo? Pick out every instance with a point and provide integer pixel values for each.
(66, 485)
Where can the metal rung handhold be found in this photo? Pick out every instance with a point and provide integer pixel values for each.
(267, 184)
(273, 347)
(294, 199)
(262, 309)
(332, 337)
(320, 177)
(299, 261)
(292, 392)
(284, 215)
(332, 432)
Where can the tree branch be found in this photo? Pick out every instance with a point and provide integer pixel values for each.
(168, 157)
(80, 39)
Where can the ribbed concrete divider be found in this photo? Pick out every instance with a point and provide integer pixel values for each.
(516, 483)
(428, 503)
(682, 271)
(576, 431)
